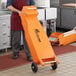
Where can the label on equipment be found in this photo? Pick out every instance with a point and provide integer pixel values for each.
(52, 38)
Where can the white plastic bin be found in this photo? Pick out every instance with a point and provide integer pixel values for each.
(42, 3)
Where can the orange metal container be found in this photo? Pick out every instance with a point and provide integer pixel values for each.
(67, 37)
(64, 38)
(37, 40)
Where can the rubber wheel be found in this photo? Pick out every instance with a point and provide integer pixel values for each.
(54, 66)
(34, 67)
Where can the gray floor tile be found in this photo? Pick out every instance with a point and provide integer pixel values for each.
(67, 67)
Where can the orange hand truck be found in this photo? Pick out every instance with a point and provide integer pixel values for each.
(63, 38)
(37, 40)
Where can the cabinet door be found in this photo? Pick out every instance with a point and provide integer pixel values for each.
(54, 1)
(58, 18)
(66, 1)
(5, 21)
(4, 32)
(68, 18)
(4, 42)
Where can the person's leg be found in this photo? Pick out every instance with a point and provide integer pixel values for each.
(26, 48)
(15, 42)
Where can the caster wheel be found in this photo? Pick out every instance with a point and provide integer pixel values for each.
(54, 66)
(34, 67)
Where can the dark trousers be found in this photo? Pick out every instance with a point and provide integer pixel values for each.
(16, 42)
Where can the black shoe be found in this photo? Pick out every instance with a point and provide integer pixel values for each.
(29, 59)
(15, 55)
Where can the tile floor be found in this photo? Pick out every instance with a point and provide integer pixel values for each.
(67, 67)
(74, 44)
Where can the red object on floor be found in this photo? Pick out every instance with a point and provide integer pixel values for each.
(59, 50)
(7, 63)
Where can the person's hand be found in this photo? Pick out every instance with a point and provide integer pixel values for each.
(19, 12)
